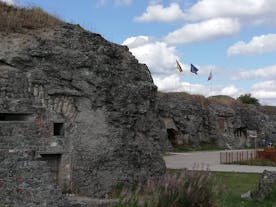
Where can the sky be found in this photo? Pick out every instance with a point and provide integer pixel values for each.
(235, 40)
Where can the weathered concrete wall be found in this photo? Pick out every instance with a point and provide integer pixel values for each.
(104, 98)
(25, 181)
(194, 120)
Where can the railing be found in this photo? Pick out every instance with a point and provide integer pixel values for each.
(268, 153)
(228, 157)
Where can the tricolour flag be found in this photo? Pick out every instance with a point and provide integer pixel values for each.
(210, 76)
(194, 69)
(178, 66)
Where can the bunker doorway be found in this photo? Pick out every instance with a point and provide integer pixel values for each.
(172, 136)
(53, 161)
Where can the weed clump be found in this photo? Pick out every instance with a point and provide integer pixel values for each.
(187, 188)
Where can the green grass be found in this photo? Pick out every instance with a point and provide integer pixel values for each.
(202, 147)
(232, 185)
(167, 153)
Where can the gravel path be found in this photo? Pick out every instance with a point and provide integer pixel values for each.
(208, 160)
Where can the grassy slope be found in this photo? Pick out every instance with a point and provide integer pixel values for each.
(16, 19)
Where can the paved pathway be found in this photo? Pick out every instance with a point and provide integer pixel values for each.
(208, 160)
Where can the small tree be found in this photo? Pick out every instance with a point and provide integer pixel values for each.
(248, 99)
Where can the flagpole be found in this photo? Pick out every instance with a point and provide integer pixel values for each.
(211, 84)
(190, 82)
(211, 88)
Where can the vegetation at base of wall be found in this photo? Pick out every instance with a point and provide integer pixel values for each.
(66, 189)
(184, 188)
(117, 190)
(15, 19)
(201, 147)
(256, 162)
(220, 189)
(248, 99)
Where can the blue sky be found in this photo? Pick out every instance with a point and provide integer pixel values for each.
(235, 39)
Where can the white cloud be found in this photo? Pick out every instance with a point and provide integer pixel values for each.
(257, 45)
(159, 57)
(206, 69)
(266, 85)
(170, 83)
(211, 19)
(133, 42)
(173, 83)
(162, 14)
(248, 10)
(230, 91)
(10, 2)
(266, 72)
(205, 30)
(265, 91)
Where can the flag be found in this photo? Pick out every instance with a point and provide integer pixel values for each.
(210, 76)
(194, 69)
(178, 66)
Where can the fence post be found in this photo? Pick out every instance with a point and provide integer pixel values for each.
(251, 158)
(226, 157)
(240, 157)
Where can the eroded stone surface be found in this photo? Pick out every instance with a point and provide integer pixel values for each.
(83, 105)
(266, 184)
(194, 121)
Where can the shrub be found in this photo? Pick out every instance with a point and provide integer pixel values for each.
(248, 99)
(188, 188)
